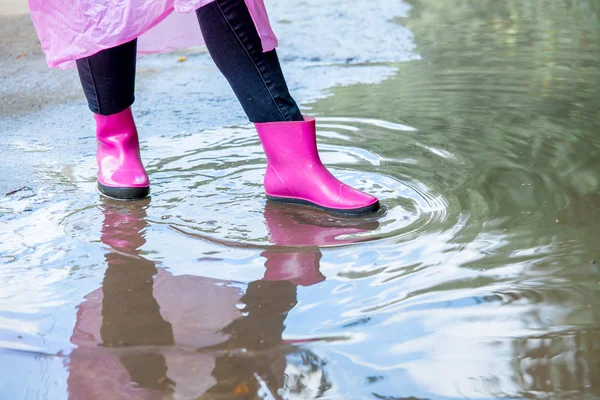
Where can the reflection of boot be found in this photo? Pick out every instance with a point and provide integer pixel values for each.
(121, 173)
(127, 314)
(304, 230)
(130, 313)
(123, 225)
(197, 306)
(300, 267)
(125, 331)
(295, 173)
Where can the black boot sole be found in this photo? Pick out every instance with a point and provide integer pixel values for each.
(353, 211)
(133, 193)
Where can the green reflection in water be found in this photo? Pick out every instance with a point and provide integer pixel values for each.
(506, 106)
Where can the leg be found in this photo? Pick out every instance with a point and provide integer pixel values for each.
(236, 48)
(295, 172)
(108, 80)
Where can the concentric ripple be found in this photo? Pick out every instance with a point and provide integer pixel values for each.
(208, 186)
(478, 278)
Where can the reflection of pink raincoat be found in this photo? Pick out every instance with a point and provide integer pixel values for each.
(197, 309)
(73, 29)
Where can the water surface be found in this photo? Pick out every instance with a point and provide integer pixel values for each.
(477, 279)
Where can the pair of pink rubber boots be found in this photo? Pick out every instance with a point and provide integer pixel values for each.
(295, 173)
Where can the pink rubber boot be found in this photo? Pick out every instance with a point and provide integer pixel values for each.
(121, 173)
(295, 173)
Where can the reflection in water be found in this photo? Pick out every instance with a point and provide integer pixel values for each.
(479, 281)
(126, 331)
(298, 232)
(147, 333)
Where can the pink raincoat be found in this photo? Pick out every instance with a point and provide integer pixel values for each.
(73, 29)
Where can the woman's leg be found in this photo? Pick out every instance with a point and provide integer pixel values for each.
(236, 48)
(295, 172)
(108, 80)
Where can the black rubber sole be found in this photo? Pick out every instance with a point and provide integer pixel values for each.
(355, 211)
(133, 193)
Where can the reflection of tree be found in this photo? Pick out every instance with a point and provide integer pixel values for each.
(561, 362)
(515, 85)
(512, 56)
(502, 56)
(510, 91)
(510, 87)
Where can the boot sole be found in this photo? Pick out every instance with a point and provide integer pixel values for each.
(133, 193)
(352, 211)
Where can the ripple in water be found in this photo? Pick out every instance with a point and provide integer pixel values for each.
(477, 279)
(209, 186)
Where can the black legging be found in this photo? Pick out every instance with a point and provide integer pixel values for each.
(108, 77)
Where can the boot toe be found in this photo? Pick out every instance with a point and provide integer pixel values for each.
(352, 199)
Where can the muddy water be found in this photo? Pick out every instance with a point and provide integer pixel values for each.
(477, 279)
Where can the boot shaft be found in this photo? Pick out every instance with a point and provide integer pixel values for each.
(117, 131)
(289, 142)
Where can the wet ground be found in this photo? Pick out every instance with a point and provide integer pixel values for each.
(478, 125)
